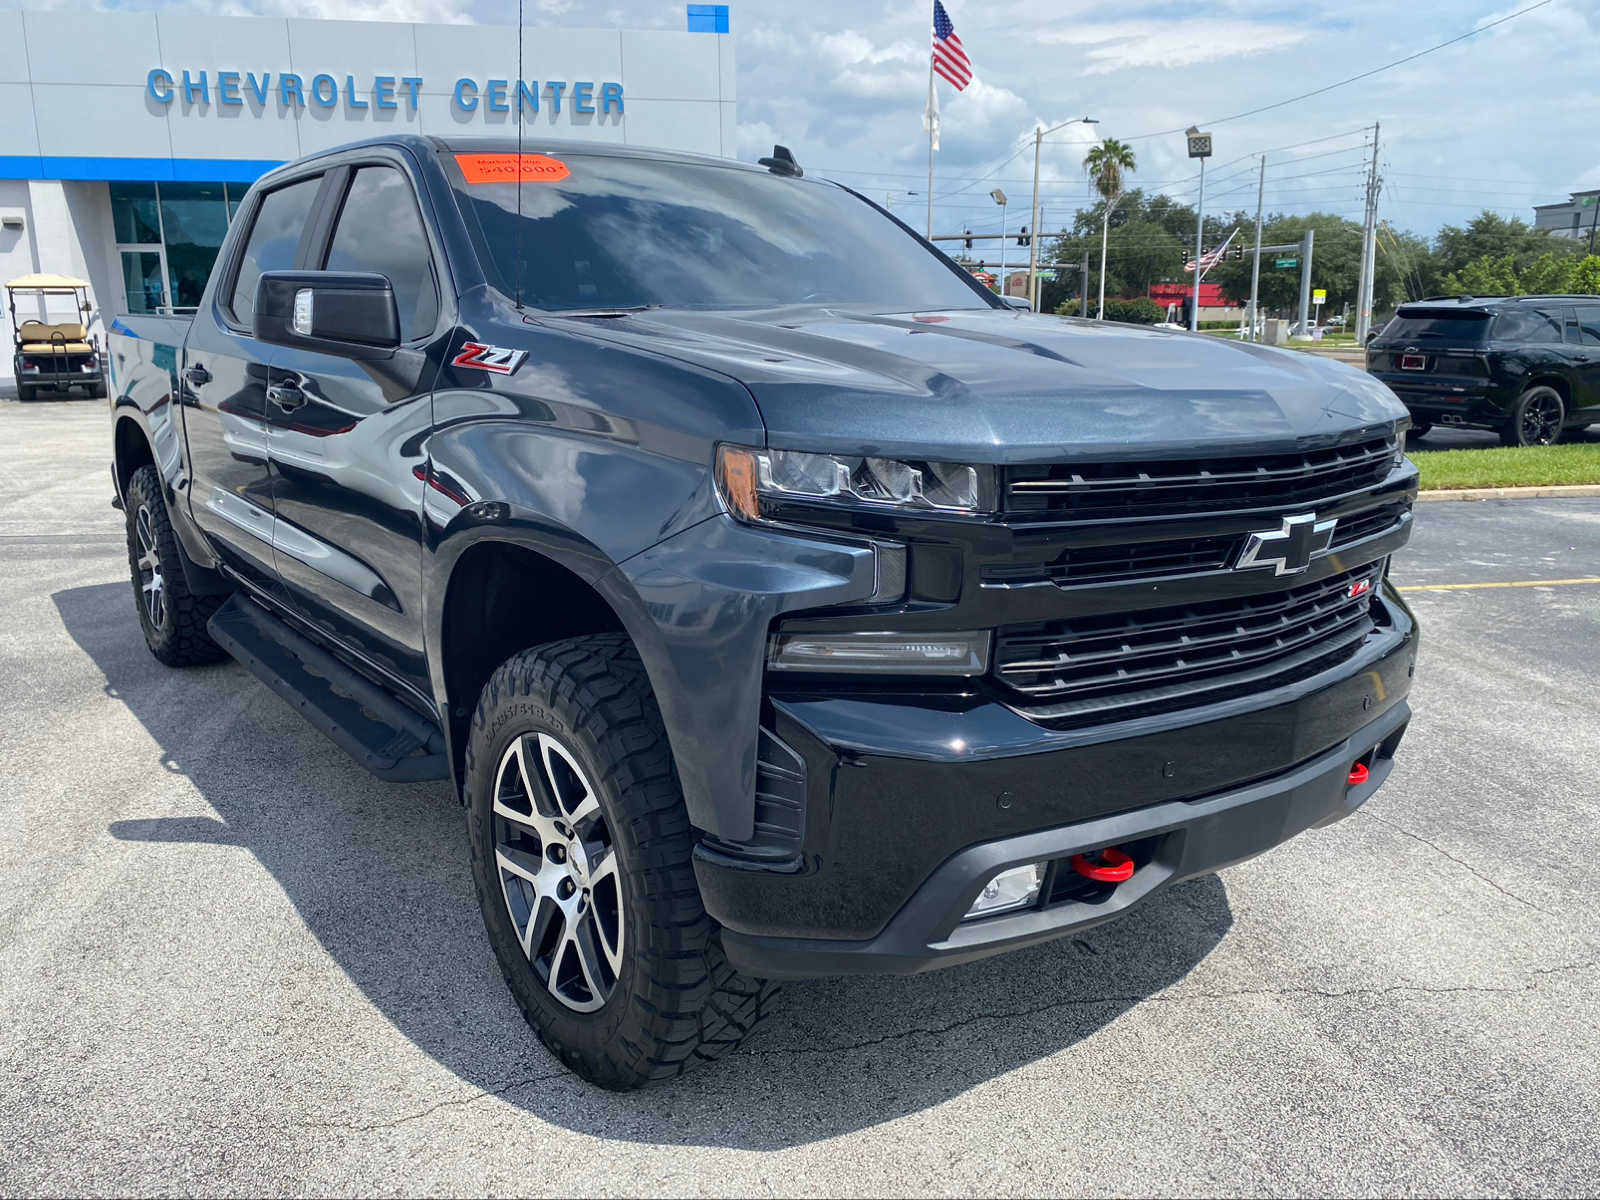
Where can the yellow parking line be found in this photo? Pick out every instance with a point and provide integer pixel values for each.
(1463, 587)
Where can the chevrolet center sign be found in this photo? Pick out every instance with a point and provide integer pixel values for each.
(391, 92)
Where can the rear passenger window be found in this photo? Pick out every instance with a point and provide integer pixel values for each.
(380, 230)
(1588, 325)
(280, 219)
(1527, 325)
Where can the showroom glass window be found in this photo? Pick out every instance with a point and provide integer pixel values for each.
(168, 236)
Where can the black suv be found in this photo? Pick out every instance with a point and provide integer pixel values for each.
(1527, 367)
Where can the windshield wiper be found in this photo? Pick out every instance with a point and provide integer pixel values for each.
(619, 311)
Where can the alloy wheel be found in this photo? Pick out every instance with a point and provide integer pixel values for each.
(1541, 420)
(559, 871)
(151, 585)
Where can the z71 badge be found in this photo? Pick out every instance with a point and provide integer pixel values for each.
(497, 359)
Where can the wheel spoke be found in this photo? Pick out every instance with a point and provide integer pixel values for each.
(574, 798)
(542, 826)
(545, 910)
(581, 933)
(521, 864)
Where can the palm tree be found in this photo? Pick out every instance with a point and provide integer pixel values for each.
(1107, 165)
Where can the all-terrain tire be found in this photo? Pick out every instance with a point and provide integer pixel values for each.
(176, 630)
(675, 1001)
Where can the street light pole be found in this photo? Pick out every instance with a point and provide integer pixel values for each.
(1039, 134)
(999, 197)
(1199, 147)
(1255, 270)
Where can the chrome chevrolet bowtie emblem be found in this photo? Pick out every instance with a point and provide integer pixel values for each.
(1290, 549)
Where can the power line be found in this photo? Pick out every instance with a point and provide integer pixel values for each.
(1354, 78)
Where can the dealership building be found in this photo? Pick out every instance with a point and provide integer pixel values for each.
(130, 138)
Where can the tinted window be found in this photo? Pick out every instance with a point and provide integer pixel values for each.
(1588, 326)
(381, 231)
(280, 219)
(1449, 326)
(608, 232)
(1527, 325)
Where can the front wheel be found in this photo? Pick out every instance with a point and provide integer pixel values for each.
(1419, 430)
(1536, 418)
(581, 850)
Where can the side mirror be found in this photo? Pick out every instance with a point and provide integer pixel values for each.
(1020, 303)
(348, 313)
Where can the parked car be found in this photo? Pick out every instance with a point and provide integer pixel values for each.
(53, 355)
(777, 600)
(1527, 367)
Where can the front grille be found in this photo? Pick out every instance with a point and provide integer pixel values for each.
(1095, 667)
(1184, 487)
(1166, 559)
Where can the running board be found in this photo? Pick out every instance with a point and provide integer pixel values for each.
(385, 736)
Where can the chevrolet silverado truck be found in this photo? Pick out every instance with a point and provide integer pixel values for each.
(777, 601)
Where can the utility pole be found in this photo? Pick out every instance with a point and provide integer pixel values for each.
(1083, 286)
(1304, 328)
(1369, 239)
(1199, 147)
(1255, 271)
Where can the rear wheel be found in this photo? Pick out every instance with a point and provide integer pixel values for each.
(173, 619)
(581, 852)
(27, 392)
(1536, 418)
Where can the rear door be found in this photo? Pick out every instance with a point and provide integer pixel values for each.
(347, 438)
(223, 386)
(1583, 338)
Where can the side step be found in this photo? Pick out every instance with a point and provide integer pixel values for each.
(382, 734)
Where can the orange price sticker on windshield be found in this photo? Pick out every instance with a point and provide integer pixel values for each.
(502, 168)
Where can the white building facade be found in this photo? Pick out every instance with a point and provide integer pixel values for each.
(130, 138)
(1572, 218)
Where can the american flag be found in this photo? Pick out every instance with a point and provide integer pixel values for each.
(949, 59)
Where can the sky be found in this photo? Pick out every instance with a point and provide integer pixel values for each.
(1503, 120)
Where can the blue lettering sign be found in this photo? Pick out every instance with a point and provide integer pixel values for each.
(494, 95)
(193, 86)
(258, 87)
(610, 93)
(528, 95)
(464, 102)
(289, 85)
(555, 87)
(412, 83)
(383, 92)
(317, 97)
(350, 97)
(228, 88)
(159, 84)
(583, 97)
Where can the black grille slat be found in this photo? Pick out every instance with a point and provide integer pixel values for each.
(1186, 487)
(1121, 660)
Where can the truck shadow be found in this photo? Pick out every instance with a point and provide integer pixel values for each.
(379, 873)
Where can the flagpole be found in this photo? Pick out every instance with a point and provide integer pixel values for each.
(930, 147)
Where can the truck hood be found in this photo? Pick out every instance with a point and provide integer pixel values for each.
(1002, 386)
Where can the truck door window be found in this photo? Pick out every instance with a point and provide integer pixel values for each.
(380, 230)
(281, 218)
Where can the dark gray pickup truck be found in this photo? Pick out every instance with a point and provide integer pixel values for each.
(777, 601)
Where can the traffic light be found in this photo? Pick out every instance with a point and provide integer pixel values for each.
(1238, 253)
(969, 239)
(1022, 238)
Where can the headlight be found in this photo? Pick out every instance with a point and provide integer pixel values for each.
(752, 481)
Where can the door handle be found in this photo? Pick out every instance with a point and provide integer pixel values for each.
(197, 376)
(286, 396)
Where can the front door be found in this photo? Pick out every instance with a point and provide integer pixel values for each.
(223, 390)
(347, 439)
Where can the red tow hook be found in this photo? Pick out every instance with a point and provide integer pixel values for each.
(1359, 774)
(1114, 866)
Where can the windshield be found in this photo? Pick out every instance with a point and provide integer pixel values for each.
(1437, 325)
(601, 232)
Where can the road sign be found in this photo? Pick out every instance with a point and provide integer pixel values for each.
(1281, 263)
(1319, 295)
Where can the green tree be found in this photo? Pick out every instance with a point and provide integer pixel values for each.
(1586, 276)
(1108, 165)
(1489, 235)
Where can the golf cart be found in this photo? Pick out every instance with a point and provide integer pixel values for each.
(53, 355)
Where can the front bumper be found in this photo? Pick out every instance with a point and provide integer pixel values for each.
(1173, 841)
(914, 802)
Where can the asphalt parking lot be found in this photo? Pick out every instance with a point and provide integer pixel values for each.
(232, 962)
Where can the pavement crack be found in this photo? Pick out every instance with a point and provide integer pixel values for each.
(1176, 998)
(1443, 853)
(456, 1102)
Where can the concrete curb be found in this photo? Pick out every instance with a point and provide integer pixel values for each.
(1550, 492)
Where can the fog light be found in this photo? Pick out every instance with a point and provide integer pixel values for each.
(890, 653)
(1009, 890)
